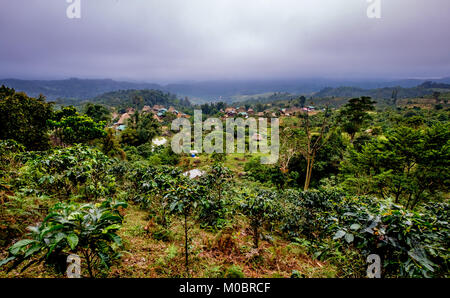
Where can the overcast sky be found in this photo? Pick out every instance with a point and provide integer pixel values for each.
(172, 40)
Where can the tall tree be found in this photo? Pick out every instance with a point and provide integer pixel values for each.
(71, 127)
(306, 141)
(313, 142)
(143, 128)
(410, 165)
(24, 119)
(97, 112)
(355, 114)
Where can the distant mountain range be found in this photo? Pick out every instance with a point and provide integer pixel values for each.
(72, 88)
(199, 92)
(425, 89)
(139, 98)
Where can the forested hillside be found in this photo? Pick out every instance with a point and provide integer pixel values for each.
(140, 98)
(74, 90)
(423, 90)
(351, 181)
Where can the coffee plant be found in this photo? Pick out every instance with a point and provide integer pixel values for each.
(86, 229)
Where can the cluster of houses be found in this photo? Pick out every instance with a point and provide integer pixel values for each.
(158, 112)
(242, 112)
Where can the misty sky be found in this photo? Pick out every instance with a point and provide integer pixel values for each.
(173, 40)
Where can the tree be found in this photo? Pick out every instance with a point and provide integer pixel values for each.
(97, 112)
(436, 96)
(259, 107)
(111, 146)
(138, 101)
(394, 96)
(327, 161)
(289, 146)
(214, 205)
(259, 207)
(143, 128)
(312, 143)
(185, 197)
(71, 127)
(409, 165)
(354, 114)
(24, 119)
(302, 101)
(432, 175)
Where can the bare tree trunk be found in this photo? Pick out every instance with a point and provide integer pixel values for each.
(310, 165)
(309, 168)
(186, 243)
(306, 186)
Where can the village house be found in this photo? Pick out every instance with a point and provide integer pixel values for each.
(241, 110)
(121, 123)
(161, 112)
(243, 114)
(294, 110)
(157, 118)
(146, 109)
(230, 111)
(114, 115)
(156, 108)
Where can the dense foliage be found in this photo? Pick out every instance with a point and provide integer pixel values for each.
(379, 186)
(24, 119)
(87, 229)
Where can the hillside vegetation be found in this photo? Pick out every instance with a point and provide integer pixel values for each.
(350, 181)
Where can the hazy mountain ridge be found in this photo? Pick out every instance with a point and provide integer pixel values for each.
(83, 89)
(424, 89)
(140, 98)
(73, 88)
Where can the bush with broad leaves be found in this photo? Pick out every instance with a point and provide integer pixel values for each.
(89, 230)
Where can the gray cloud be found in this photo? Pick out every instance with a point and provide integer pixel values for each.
(168, 40)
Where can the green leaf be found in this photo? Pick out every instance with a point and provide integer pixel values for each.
(6, 261)
(20, 245)
(349, 237)
(111, 227)
(57, 241)
(72, 240)
(33, 249)
(355, 227)
(115, 238)
(50, 229)
(339, 234)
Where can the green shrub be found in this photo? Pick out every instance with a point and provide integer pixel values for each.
(87, 229)
(216, 205)
(234, 271)
(411, 244)
(78, 170)
(259, 207)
